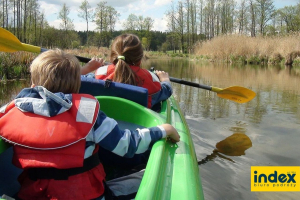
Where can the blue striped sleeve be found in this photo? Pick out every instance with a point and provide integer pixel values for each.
(165, 92)
(126, 142)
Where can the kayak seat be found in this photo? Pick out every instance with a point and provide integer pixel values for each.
(98, 87)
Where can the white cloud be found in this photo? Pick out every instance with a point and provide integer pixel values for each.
(93, 3)
(49, 9)
(55, 23)
(160, 24)
(81, 26)
(162, 2)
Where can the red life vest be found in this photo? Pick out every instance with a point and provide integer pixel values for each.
(55, 142)
(146, 80)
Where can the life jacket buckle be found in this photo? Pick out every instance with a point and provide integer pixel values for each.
(107, 83)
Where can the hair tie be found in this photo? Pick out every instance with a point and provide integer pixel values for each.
(121, 57)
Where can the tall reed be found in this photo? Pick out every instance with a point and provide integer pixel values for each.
(243, 48)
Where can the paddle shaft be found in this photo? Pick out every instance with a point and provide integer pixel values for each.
(175, 80)
(180, 81)
(83, 59)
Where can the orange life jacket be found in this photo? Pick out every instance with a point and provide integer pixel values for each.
(146, 80)
(54, 142)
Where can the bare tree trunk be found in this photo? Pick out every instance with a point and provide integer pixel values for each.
(25, 18)
(252, 11)
(14, 17)
(6, 8)
(3, 14)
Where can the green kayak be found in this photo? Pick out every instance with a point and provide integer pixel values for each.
(172, 171)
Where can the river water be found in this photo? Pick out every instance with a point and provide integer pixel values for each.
(229, 137)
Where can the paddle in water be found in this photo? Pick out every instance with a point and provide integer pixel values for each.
(234, 145)
(10, 43)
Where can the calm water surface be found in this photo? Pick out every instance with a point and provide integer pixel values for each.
(229, 137)
(268, 126)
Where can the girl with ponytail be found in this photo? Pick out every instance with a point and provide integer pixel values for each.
(126, 57)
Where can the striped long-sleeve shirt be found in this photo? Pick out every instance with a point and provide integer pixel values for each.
(105, 132)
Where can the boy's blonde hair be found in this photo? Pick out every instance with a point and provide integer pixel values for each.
(57, 71)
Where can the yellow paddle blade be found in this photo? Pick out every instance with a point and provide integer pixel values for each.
(235, 93)
(234, 145)
(10, 43)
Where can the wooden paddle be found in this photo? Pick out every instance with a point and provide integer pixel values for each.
(10, 43)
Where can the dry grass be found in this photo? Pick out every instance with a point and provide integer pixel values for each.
(234, 47)
(91, 52)
(16, 58)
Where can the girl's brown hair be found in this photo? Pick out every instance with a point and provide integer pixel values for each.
(129, 46)
(57, 71)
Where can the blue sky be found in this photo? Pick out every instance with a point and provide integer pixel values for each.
(156, 9)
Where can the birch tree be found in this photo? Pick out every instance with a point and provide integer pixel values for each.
(87, 13)
(66, 25)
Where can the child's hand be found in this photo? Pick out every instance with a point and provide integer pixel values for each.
(172, 133)
(92, 65)
(163, 76)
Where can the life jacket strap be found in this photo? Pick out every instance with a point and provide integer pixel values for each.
(63, 174)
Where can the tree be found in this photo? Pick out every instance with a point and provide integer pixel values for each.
(176, 27)
(86, 13)
(253, 11)
(227, 15)
(112, 18)
(290, 15)
(199, 10)
(106, 17)
(148, 23)
(266, 10)
(242, 17)
(131, 22)
(66, 25)
(180, 24)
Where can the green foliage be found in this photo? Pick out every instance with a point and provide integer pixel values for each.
(75, 44)
(15, 65)
(253, 60)
(164, 47)
(17, 70)
(237, 59)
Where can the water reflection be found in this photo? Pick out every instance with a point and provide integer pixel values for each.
(276, 88)
(9, 89)
(271, 121)
(234, 145)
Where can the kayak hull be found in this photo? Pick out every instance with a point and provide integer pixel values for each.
(172, 171)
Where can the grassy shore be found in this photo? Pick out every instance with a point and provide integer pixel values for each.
(90, 52)
(252, 50)
(15, 65)
(284, 50)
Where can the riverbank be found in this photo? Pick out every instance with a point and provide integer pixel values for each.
(15, 65)
(239, 49)
(251, 50)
